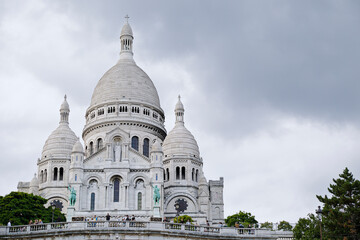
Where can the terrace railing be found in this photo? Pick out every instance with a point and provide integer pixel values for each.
(136, 225)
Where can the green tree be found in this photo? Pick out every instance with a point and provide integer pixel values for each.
(183, 219)
(341, 211)
(307, 228)
(284, 225)
(20, 208)
(245, 218)
(268, 225)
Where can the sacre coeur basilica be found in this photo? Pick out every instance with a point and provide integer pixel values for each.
(129, 164)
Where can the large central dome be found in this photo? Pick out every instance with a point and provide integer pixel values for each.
(125, 81)
(125, 95)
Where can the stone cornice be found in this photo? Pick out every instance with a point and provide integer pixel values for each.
(119, 122)
(129, 103)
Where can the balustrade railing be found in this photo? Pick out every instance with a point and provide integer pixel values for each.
(193, 228)
(138, 224)
(17, 229)
(212, 229)
(61, 225)
(95, 224)
(246, 231)
(39, 227)
(115, 224)
(135, 225)
(175, 226)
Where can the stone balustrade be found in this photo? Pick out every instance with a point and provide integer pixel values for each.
(146, 228)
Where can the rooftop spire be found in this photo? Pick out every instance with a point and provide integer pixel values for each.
(64, 111)
(179, 112)
(126, 40)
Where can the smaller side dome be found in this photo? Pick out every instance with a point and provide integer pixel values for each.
(78, 148)
(180, 141)
(34, 182)
(62, 139)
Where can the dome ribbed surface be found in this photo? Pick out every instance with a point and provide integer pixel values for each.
(60, 142)
(34, 182)
(126, 30)
(180, 141)
(78, 147)
(65, 106)
(125, 81)
(179, 106)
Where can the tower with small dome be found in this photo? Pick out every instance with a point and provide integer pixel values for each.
(126, 154)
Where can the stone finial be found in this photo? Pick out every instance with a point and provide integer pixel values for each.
(64, 111)
(179, 111)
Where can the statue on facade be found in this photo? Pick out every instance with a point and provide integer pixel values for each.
(156, 195)
(117, 152)
(72, 197)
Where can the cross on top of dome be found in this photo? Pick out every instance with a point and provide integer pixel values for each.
(126, 39)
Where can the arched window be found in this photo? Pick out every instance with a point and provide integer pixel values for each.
(55, 174)
(146, 147)
(139, 201)
(116, 190)
(183, 173)
(92, 202)
(45, 175)
(167, 174)
(99, 144)
(41, 176)
(177, 173)
(217, 212)
(196, 175)
(91, 148)
(61, 174)
(193, 174)
(135, 143)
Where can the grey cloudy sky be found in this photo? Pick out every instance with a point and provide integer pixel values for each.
(271, 88)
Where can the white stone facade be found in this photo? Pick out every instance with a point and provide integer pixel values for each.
(127, 153)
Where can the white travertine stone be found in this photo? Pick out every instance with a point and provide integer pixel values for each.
(180, 141)
(78, 147)
(34, 185)
(62, 139)
(125, 81)
(126, 30)
(126, 153)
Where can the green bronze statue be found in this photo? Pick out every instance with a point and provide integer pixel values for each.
(156, 195)
(72, 197)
